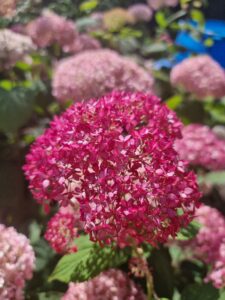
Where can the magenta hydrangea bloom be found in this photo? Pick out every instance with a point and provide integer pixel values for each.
(209, 244)
(63, 228)
(140, 12)
(16, 263)
(200, 75)
(202, 147)
(94, 73)
(115, 156)
(51, 28)
(112, 284)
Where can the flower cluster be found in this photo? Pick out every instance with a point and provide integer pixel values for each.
(140, 12)
(209, 244)
(200, 75)
(51, 28)
(13, 47)
(96, 72)
(157, 4)
(8, 7)
(202, 147)
(112, 284)
(81, 43)
(16, 263)
(114, 19)
(115, 156)
(62, 229)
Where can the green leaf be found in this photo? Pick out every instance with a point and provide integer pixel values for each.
(50, 296)
(174, 101)
(43, 254)
(6, 85)
(161, 19)
(213, 178)
(154, 48)
(222, 295)
(88, 262)
(189, 232)
(160, 263)
(200, 292)
(88, 5)
(16, 105)
(197, 16)
(34, 232)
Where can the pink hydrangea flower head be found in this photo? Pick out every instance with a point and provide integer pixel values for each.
(116, 157)
(202, 147)
(94, 73)
(117, 17)
(8, 8)
(51, 28)
(200, 75)
(13, 47)
(141, 12)
(171, 3)
(81, 43)
(158, 4)
(112, 284)
(62, 229)
(209, 244)
(16, 263)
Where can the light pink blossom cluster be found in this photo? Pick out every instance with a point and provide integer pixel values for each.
(209, 244)
(112, 284)
(13, 47)
(158, 4)
(8, 8)
(116, 157)
(63, 228)
(200, 75)
(16, 263)
(96, 72)
(81, 43)
(202, 147)
(140, 12)
(51, 28)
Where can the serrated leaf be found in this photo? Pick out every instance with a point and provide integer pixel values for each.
(189, 232)
(200, 292)
(88, 262)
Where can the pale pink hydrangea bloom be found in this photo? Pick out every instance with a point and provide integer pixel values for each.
(140, 12)
(200, 75)
(8, 8)
(94, 73)
(13, 47)
(209, 244)
(81, 43)
(112, 284)
(202, 147)
(158, 4)
(51, 28)
(16, 263)
(116, 157)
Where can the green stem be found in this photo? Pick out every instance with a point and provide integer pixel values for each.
(148, 275)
